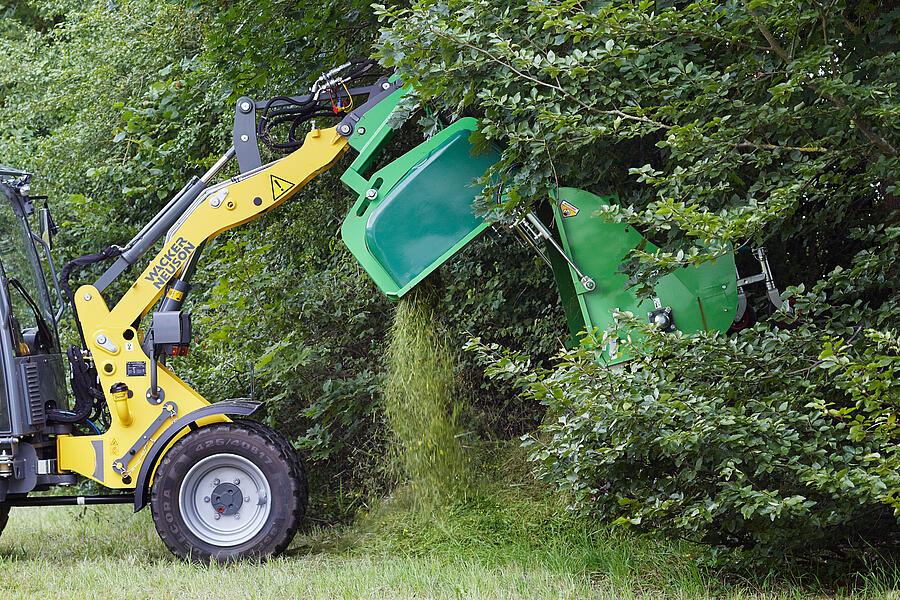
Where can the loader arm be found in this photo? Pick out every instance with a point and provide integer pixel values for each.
(146, 400)
(112, 335)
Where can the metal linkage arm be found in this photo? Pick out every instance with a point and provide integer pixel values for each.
(245, 134)
(157, 227)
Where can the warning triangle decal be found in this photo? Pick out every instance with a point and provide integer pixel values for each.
(280, 187)
(567, 209)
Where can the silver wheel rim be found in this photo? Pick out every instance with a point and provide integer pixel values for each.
(204, 514)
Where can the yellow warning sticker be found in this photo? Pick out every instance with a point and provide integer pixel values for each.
(567, 209)
(280, 186)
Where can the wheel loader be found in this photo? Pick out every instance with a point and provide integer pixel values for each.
(221, 486)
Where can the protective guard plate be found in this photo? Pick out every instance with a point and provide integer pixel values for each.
(423, 212)
(702, 298)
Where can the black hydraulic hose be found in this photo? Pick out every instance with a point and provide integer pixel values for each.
(82, 261)
(85, 393)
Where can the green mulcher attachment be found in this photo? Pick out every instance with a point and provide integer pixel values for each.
(691, 299)
(416, 213)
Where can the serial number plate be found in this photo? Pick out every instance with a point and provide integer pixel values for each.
(135, 368)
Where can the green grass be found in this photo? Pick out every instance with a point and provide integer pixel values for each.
(507, 539)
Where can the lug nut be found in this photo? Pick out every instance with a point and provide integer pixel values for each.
(237, 515)
(216, 482)
(246, 498)
(206, 499)
(217, 516)
(237, 481)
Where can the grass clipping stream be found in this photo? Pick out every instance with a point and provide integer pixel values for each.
(422, 405)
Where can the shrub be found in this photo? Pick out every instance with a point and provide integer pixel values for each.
(780, 442)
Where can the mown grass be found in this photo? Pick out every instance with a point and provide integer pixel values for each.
(421, 405)
(506, 539)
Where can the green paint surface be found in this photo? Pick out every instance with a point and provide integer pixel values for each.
(702, 298)
(423, 214)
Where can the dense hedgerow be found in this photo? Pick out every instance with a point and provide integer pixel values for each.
(780, 442)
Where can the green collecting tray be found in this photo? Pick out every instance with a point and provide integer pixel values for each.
(421, 212)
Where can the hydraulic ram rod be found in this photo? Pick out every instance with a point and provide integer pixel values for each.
(161, 223)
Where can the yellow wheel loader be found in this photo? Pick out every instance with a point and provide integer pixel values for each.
(221, 486)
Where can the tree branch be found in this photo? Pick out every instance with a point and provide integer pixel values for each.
(864, 128)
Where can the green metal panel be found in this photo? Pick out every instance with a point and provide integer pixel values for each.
(422, 213)
(701, 298)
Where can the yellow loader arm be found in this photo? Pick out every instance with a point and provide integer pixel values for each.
(114, 340)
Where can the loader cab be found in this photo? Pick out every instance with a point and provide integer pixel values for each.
(32, 374)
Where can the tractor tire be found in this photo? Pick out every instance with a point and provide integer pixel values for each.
(283, 443)
(229, 492)
(4, 516)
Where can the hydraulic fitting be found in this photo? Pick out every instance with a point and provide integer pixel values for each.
(120, 395)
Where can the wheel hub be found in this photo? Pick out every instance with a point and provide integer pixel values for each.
(224, 500)
(227, 499)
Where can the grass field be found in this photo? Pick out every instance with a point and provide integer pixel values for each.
(507, 541)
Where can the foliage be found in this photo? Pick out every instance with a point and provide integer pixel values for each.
(778, 442)
(715, 123)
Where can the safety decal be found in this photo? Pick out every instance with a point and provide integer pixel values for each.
(280, 187)
(568, 210)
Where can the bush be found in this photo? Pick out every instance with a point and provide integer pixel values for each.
(758, 442)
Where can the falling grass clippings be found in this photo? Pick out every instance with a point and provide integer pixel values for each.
(422, 403)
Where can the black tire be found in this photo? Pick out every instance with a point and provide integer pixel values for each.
(4, 516)
(254, 445)
(282, 442)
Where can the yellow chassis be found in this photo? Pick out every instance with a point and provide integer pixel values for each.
(136, 421)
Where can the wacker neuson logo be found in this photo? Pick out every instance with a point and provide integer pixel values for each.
(170, 262)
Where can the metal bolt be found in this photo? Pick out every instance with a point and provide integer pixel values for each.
(215, 202)
(87, 296)
(237, 515)
(385, 85)
(246, 498)
(206, 499)
(371, 193)
(245, 106)
(345, 129)
(216, 482)
(217, 516)
(237, 481)
(245, 137)
(101, 339)
(361, 131)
